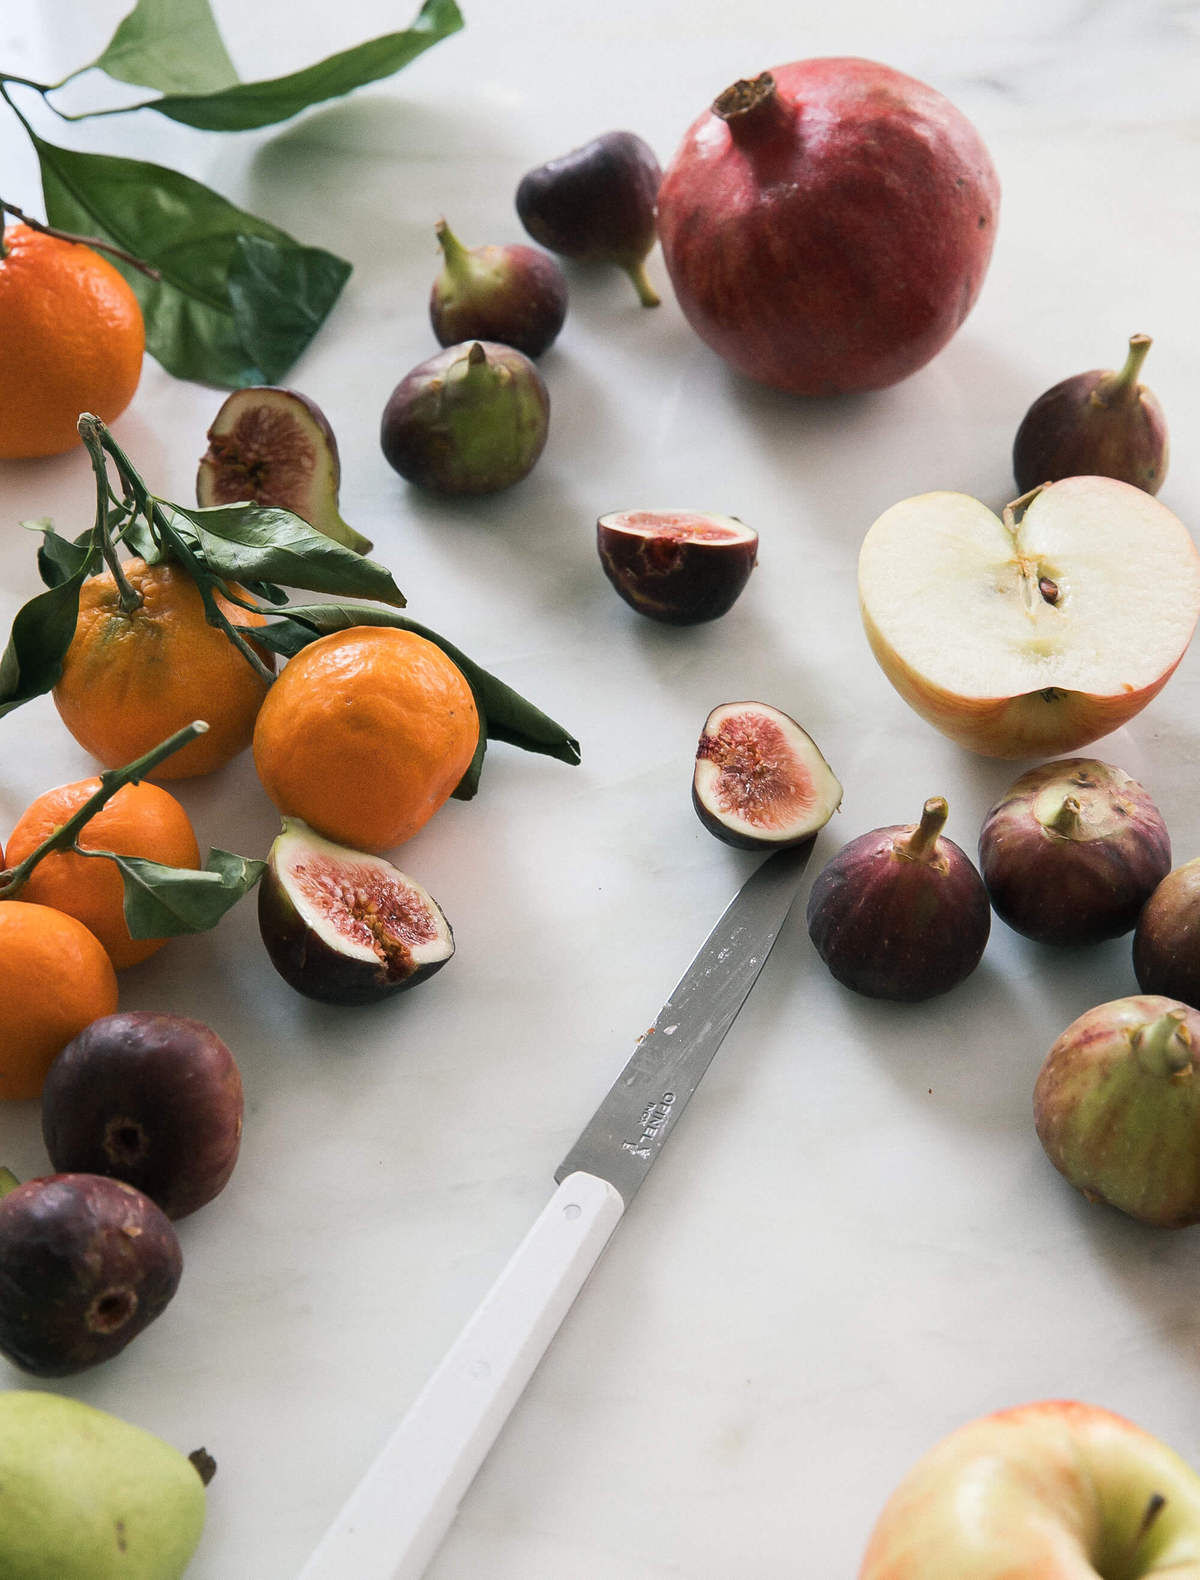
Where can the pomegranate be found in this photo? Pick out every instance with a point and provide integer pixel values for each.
(828, 225)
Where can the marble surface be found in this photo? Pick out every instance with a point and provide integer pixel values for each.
(854, 1242)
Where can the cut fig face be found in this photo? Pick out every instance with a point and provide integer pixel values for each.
(760, 780)
(274, 447)
(678, 566)
(345, 927)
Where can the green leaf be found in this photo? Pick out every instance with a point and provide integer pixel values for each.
(250, 104)
(171, 45)
(41, 634)
(164, 902)
(507, 716)
(59, 558)
(256, 543)
(199, 325)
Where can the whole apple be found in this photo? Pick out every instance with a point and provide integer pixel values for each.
(1037, 631)
(828, 225)
(1055, 1490)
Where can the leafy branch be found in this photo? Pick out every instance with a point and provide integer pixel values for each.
(229, 299)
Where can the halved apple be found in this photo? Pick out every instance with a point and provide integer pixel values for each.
(1034, 632)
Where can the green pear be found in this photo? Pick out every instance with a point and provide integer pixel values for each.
(87, 1496)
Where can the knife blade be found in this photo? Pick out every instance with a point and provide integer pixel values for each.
(397, 1516)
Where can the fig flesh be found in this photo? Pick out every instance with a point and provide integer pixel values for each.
(471, 420)
(677, 566)
(597, 205)
(1117, 1108)
(151, 1099)
(514, 294)
(1166, 940)
(1072, 851)
(1102, 423)
(86, 1263)
(274, 447)
(760, 781)
(901, 913)
(345, 927)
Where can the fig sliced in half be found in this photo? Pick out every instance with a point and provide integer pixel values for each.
(345, 927)
(274, 447)
(760, 780)
(677, 566)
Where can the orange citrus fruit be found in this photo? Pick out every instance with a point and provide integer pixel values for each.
(132, 677)
(365, 734)
(73, 337)
(141, 820)
(55, 979)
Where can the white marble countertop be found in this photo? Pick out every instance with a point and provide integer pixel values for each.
(855, 1241)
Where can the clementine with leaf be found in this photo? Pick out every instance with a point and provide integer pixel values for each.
(365, 734)
(139, 668)
(141, 820)
(72, 335)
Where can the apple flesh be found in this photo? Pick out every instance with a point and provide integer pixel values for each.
(1036, 632)
(1055, 1490)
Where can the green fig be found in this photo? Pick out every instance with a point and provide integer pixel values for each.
(87, 1496)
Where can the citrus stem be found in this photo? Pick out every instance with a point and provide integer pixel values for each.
(111, 780)
(82, 241)
(8, 1182)
(128, 595)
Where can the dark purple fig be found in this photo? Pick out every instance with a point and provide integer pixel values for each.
(677, 566)
(154, 1100)
(1166, 940)
(514, 294)
(274, 447)
(1117, 1108)
(759, 780)
(471, 420)
(86, 1263)
(1097, 424)
(345, 927)
(597, 204)
(901, 912)
(1072, 851)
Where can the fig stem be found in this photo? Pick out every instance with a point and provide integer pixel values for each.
(647, 295)
(1067, 821)
(8, 1182)
(1162, 1045)
(921, 845)
(453, 250)
(1120, 386)
(13, 879)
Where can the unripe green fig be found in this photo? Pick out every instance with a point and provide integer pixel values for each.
(87, 1496)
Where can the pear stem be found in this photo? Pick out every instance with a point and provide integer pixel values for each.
(647, 295)
(921, 844)
(1163, 1046)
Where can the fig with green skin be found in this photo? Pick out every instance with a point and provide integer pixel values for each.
(512, 294)
(677, 566)
(1101, 423)
(85, 1495)
(1072, 851)
(151, 1099)
(1117, 1108)
(1166, 940)
(901, 913)
(760, 781)
(597, 204)
(86, 1263)
(471, 420)
(344, 927)
(274, 447)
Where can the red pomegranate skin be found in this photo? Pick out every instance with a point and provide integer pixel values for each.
(832, 237)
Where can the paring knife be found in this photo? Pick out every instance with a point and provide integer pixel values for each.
(396, 1518)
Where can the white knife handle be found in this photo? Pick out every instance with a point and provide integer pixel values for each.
(395, 1519)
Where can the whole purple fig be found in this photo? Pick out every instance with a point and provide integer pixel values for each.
(1097, 424)
(1166, 940)
(901, 912)
(513, 294)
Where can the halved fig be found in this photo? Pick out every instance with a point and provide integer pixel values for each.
(760, 779)
(345, 927)
(274, 447)
(677, 566)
